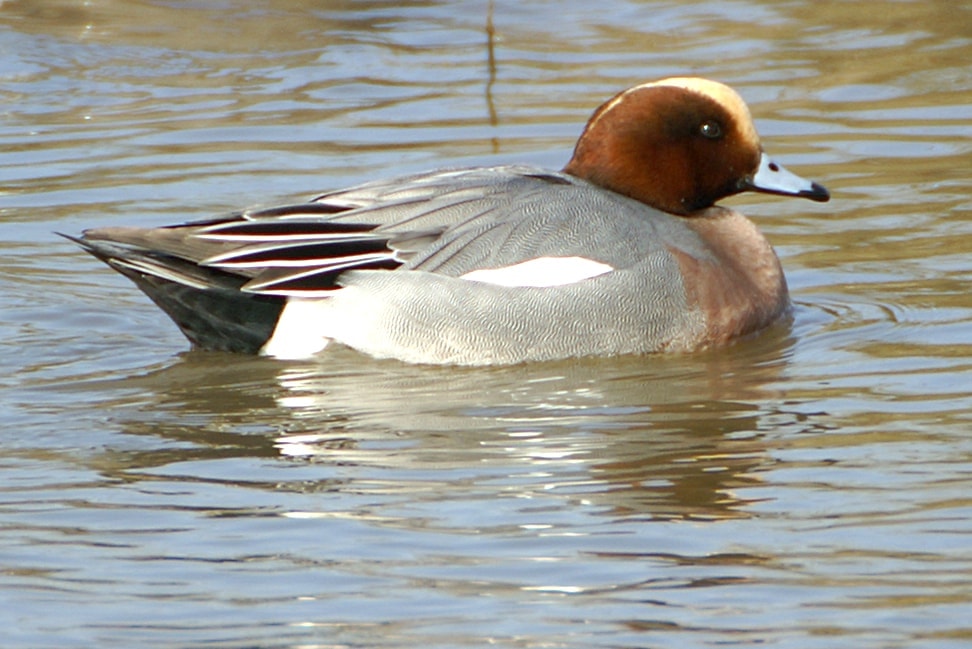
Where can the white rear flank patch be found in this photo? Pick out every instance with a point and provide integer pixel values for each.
(541, 272)
(299, 330)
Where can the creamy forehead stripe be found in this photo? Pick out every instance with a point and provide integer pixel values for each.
(719, 92)
(541, 272)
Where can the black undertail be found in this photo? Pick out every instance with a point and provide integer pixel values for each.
(207, 304)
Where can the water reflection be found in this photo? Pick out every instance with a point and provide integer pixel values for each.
(655, 437)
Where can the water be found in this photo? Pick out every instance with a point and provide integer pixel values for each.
(807, 488)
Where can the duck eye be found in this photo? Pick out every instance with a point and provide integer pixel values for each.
(711, 130)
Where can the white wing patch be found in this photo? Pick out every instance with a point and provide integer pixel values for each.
(304, 324)
(541, 272)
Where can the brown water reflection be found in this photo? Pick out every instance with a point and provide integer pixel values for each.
(807, 488)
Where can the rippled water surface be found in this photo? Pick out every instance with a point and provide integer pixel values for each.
(807, 488)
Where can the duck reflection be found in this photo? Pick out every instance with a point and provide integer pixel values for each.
(655, 437)
(665, 438)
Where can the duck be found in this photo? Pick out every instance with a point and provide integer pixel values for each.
(623, 251)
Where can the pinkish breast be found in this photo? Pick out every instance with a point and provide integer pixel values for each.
(740, 288)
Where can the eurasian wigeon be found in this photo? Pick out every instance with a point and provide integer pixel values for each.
(622, 252)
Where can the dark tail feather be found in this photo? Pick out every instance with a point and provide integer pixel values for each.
(214, 319)
(206, 303)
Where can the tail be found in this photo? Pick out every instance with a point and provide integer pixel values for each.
(206, 303)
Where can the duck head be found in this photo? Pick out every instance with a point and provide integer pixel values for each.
(680, 145)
